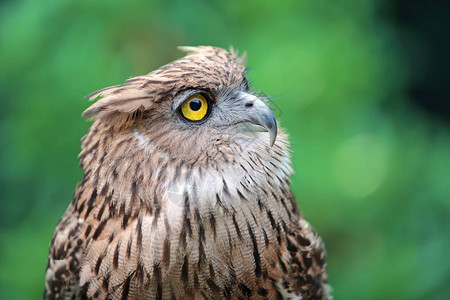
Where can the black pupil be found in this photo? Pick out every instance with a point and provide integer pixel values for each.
(195, 104)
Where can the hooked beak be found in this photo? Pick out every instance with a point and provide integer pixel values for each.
(259, 114)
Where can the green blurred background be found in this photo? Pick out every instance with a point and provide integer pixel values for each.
(359, 86)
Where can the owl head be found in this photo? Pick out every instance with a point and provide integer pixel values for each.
(192, 109)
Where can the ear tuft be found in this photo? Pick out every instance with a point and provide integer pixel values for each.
(120, 100)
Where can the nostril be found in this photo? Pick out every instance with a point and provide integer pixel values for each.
(249, 104)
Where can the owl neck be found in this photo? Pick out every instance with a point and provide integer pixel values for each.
(130, 177)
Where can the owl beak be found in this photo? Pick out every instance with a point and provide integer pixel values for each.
(258, 113)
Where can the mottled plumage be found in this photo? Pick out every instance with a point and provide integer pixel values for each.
(173, 209)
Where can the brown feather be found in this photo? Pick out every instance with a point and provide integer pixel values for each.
(169, 210)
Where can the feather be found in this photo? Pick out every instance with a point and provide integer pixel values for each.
(170, 211)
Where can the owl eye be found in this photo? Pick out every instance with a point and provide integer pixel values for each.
(195, 108)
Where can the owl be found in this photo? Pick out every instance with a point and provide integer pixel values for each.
(185, 194)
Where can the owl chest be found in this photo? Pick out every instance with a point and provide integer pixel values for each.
(197, 244)
(212, 252)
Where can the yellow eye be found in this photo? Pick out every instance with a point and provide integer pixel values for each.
(195, 108)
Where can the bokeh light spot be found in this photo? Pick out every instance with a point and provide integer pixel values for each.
(360, 165)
